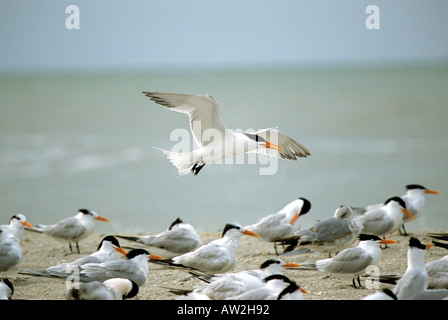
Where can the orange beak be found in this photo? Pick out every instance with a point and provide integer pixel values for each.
(387, 241)
(270, 145)
(432, 191)
(27, 224)
(406, 212)
(249, 233)
(155, 257)
(121, 250)
(428, 246)
(291, 265)
(102, 219)
(296, 216)
(303, 290)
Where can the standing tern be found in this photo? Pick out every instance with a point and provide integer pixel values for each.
(6, 289)
(415, 199)
(108, 249)
(111, 289)
(415, 202)
(134, 268)
(330, 235)
(352, 262)
(413, 285)
(218, 256)
(10, 250)
(386, 219)
(223, 286)
(179, 238)
(283, 223)
(17, 225)
(72, 229)
(215, 141)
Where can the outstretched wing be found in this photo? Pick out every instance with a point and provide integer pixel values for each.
(290, 149)
(203, 111)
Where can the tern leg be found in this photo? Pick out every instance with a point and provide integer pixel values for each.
(275, 248)
(385, 245)
(354, 283)
(196, 168)
(404, 232)
(70, 246)
(77, 247)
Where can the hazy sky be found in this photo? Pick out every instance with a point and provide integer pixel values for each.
(174, 33)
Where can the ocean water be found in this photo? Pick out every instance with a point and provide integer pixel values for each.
(70, 141)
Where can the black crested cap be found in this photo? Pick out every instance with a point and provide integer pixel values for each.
(366, 237)
(177, 221)
(133, 292)
(8, 283)
(85, 211)
(110, 239)
(396, 199)
(415, 186)
(415, 243)
(306, 206)
(291, 288)
(230, 226)
(269, 262)
(136, 252)
(14, 217)
(277, 277)
(390, 293)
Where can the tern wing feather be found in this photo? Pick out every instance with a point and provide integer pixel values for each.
(203, 111)
(290, 148)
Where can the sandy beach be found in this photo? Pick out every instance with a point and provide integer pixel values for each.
(40, 251)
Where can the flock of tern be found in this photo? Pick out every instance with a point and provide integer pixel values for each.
(112, 272)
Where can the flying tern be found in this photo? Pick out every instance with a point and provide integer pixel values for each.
(217, 256)
(72, 229)
(215, 141)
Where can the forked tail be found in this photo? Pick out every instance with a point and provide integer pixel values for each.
(183, 161)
